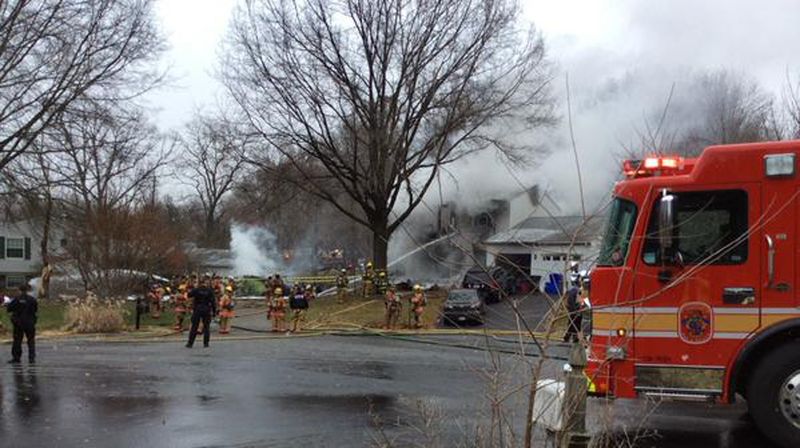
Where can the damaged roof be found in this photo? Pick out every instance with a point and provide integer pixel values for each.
(552, 231)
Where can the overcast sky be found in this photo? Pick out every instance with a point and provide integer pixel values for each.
(622, 56)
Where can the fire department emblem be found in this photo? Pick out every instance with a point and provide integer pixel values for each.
(695, 323)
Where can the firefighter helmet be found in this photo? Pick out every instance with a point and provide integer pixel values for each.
(229, 288)
(369, 264)
(381, 274)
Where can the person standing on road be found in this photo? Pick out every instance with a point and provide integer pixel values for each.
(204, 307)
(23, 311)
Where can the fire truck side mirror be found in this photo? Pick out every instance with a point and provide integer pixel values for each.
(666, 224)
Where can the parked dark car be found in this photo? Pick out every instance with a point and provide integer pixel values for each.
(481, 280)
(463, 305)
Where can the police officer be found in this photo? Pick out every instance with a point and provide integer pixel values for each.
(299, 304)
(23, 311)
(204, 307)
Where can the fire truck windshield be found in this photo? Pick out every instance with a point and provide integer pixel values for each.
(618, 233)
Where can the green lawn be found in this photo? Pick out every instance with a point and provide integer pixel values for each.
(358, 312)
(323, 312)
(51, 316)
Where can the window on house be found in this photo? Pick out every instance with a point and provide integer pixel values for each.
(15, 248)
(15, 281)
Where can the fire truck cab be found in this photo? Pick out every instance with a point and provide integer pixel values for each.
(695, 293)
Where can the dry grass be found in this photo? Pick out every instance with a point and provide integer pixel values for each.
(364, 313)
(92, 315)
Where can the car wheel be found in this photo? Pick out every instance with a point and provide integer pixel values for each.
(773, 395)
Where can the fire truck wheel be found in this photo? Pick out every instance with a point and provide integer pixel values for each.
(773, 395)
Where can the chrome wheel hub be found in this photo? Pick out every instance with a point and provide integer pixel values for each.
(789, 398)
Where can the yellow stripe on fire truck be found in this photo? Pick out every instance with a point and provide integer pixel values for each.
(662, 322)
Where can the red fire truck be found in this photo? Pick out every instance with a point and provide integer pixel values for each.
(697, 290)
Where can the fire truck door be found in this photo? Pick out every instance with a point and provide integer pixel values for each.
(698, 304)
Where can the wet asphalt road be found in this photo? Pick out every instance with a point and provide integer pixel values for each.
(291, 392)
(296, 391)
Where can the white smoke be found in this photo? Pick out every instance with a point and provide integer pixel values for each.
(254, 250)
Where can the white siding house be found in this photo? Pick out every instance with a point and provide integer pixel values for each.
(19, 255)
(539, 239)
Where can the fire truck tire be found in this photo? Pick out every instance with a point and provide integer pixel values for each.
(773, 395)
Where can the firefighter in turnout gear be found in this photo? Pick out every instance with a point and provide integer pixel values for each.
(341, 286)
(226, 312)
(418, 302)
(277, 311)
(393, 308)
(382, 283)
(181, 307)
(231, 283)
(368, 279)
(154, 300)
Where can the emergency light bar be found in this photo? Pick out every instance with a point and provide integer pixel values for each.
(651, 166)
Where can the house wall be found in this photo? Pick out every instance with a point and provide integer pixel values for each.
(544, 259)
(12, 268)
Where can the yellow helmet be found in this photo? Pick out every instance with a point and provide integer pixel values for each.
(278, 291)
(417, 287)
(381, 274)
(369, 264)
(229, 288)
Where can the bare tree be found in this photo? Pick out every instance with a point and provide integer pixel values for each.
(375, 96)
(107, 165)
(791, 106)
(213, 155)
(732, 108)
(54, 52)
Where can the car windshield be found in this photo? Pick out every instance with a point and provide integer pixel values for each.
(617, 238)
(462, 297)
(478, 277)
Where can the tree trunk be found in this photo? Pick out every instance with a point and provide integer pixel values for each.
(380, 242)
(210, 230)
(43, 291)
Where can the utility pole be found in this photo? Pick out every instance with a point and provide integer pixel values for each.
(574, 409)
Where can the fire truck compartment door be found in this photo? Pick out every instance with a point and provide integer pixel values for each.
(779, 299)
